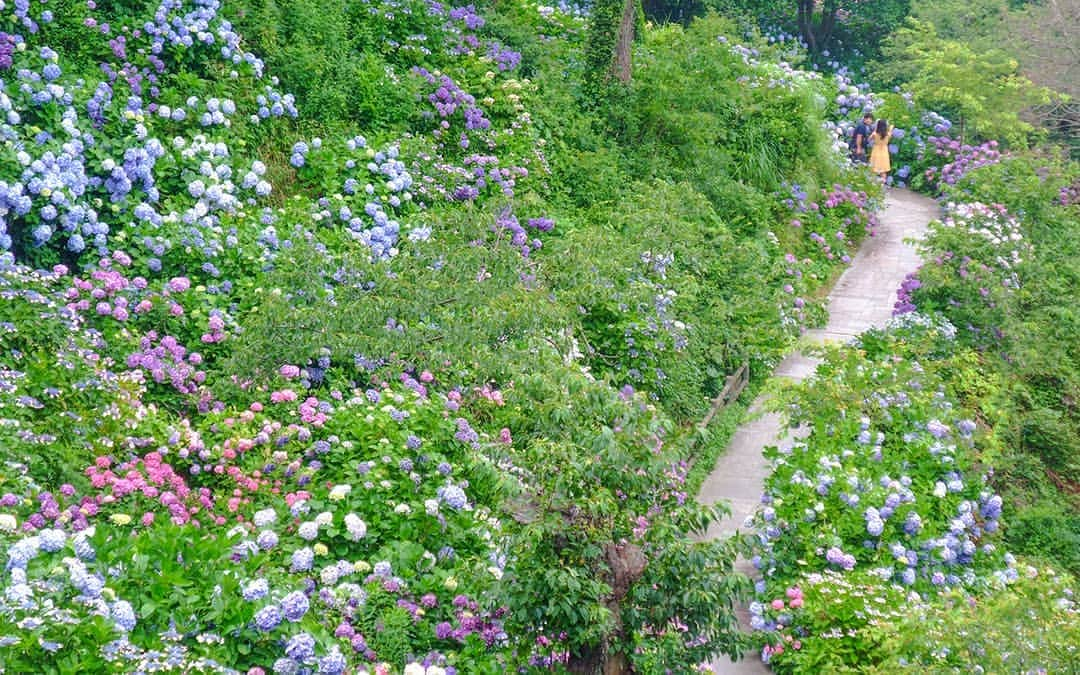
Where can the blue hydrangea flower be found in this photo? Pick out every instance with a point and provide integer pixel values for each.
(22, 552)
(123, 615)
(333, 663)
(19, 595)
(285, 666)
(52, 540)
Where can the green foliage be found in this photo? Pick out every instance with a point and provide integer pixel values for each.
(335, 57)
(978, 23)
(673, 11)
(688, 590)
(603, 526)
(851, 30)
(1047, 531)
(466, 304)
(756, 135)
(984, 91)
(604, 19)
(683, 305)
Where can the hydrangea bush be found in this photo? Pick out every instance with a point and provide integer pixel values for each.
(882, 498)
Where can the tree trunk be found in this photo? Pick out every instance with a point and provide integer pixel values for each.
(828, 23)
(624, 45)
(626, 564)
(806, 24)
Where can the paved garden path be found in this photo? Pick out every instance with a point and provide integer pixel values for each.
(862, 298)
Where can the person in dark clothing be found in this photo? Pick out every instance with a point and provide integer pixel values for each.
(860, 137)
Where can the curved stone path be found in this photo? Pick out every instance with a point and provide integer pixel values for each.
(862, 298)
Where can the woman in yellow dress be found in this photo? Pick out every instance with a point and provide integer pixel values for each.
(879, 155)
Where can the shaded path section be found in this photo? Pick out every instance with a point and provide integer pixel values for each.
(862, 298)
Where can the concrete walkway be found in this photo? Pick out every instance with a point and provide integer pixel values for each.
(862, 298)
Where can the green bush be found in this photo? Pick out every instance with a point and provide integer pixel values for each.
(1049, 532)
(1030, 625)
(758, 134)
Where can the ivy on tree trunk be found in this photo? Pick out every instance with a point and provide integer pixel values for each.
(610, 44)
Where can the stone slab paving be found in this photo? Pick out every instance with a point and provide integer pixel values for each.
(862, 298)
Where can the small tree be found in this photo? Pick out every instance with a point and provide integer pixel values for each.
(984, 91)
(1049, 34)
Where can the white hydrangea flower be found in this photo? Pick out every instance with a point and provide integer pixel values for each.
(339, 492)
(356, 527)
(308, 530)
(264, 518)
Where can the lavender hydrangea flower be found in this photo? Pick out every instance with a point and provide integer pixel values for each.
(294, 606)
(453, 496)
(255, 590)
(300, 647)
(302, 559)
(937, 429)
(267, 540)
(874, 524)
(268, 618)
(264, 518)
(356, 527)
(836, 556)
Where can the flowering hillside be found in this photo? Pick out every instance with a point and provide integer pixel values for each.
(293, 382)
(366, 336)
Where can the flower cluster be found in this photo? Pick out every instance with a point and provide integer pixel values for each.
(959, 158)
(68, 188)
